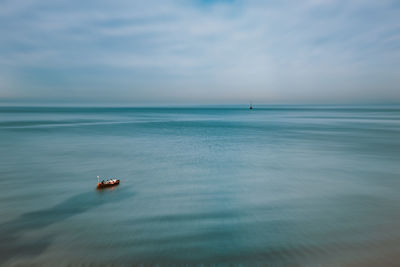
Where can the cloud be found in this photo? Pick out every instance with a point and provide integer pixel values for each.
(229, 51)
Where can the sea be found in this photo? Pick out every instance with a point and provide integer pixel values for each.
(279, 185)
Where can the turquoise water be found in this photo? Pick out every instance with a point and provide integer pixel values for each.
(283, 185)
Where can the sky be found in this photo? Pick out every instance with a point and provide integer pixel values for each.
(128, 52)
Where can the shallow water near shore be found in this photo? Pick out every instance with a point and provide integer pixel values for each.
(283, 185)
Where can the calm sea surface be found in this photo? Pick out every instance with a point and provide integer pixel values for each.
(280, 185)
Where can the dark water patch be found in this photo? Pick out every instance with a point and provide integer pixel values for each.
(12, 233)
(291, 254)
(179, 218)
(46, 123)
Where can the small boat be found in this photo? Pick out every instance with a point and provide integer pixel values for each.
(107, 183)
(251, 106)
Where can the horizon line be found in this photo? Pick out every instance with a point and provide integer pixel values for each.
(261, 105)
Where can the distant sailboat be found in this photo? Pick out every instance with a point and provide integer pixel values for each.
(251, 106)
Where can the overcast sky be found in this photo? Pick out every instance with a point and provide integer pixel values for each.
(199, 52)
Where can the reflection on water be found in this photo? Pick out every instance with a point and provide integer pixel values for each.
(281, 185)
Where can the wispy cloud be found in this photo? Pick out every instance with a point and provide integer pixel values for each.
(200, 51)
